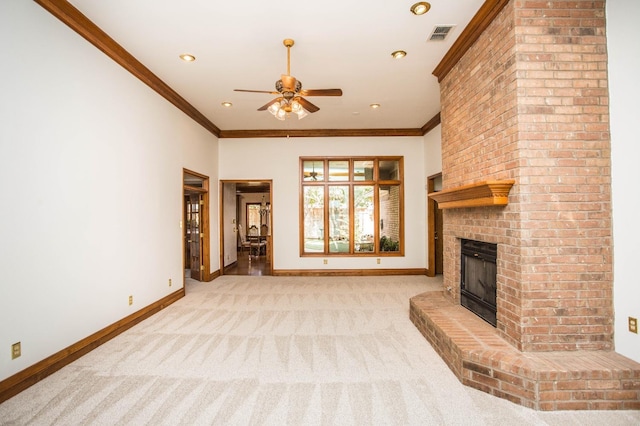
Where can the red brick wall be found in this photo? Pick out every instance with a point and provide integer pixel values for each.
(529, 102)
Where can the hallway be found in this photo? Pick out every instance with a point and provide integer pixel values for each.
(249, 265)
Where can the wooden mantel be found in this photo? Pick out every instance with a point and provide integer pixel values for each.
(480, 194)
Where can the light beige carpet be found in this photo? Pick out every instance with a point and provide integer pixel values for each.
(276, 351)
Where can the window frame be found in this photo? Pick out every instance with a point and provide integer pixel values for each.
(351, 182)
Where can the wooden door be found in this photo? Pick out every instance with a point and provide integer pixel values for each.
(434, 228)
(194, 235)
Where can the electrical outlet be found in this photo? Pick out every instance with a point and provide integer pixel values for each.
(633, 325)
(16, 350)
(378, 261)
(169, 282)
(325, 261)
(130, 300)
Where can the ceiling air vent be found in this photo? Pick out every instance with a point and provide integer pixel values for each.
(440, 32)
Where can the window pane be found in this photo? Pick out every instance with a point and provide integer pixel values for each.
(363, 216)
(313, 219)
(313, 171)
(253, 216)
(339, 219)
(389, 170)
(363, 170)
(338, 171)
(389, 198)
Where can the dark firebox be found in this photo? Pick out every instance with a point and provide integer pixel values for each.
(478, 279)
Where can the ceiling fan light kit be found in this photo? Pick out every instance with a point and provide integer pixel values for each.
(281, 109)
(290, 94)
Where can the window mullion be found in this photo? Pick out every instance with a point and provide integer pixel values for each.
(351, 218)
(326, 218)
(376, 217)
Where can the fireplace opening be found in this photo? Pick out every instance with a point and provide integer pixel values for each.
(478, 277)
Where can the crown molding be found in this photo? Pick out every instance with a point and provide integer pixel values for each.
(317, 133)
(431, 124)
(74, 19)
(482, 19)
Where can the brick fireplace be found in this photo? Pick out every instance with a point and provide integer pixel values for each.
(528, 102)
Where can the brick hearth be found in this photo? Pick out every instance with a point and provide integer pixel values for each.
(480, 358)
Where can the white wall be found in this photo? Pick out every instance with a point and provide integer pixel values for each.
(278, 159)
(91, 186)
(433, 151)
(623, 34)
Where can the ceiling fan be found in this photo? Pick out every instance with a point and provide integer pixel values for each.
(313, 175)
(290, 93)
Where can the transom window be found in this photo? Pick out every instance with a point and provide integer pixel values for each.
(351, 206)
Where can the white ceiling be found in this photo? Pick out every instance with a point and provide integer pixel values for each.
(342, 44)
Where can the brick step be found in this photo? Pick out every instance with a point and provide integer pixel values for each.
(480, 358)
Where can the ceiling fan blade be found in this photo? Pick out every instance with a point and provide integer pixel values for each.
(307, 105)
(267, 105)
(321, 92)
(256, 91)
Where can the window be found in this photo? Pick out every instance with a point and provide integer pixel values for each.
(253, 215)
(351, 206)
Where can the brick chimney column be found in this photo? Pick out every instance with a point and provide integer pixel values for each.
(529, 101)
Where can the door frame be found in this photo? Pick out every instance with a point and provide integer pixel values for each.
(235, 230)
(205, 259)
(432, 245)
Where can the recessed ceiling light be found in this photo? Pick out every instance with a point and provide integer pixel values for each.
(187, 57)
(399, 54)
(420, 8)
(375, 106)
(227, 104)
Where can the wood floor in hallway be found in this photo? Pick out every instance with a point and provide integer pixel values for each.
(249, 265)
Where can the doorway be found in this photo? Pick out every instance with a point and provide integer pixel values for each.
(246, 230)
(434, 228)
(196, 259)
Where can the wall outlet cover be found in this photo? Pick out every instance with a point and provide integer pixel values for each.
(16, 350)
